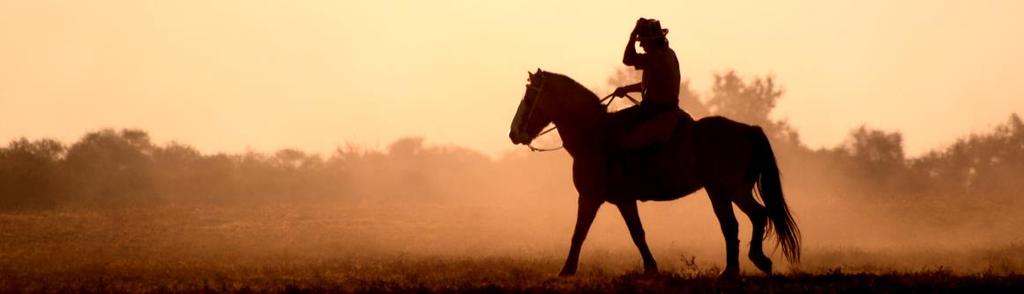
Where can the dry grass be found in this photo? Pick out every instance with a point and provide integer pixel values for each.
(319, 248)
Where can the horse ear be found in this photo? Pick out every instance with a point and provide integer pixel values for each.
(539, 71)
(530, 78)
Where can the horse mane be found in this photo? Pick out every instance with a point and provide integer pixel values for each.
(576, 89)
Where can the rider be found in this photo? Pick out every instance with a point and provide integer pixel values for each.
(660, 84)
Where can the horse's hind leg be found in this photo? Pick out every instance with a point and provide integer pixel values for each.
(758, 220)
(722, 204)
(636, 231)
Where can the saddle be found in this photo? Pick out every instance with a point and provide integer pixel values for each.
(637, 167)
(658, 129)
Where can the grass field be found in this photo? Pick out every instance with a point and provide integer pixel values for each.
(320, 248)
(396, 274)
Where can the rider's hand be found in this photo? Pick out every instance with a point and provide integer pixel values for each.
(639, 23)
(620, 92)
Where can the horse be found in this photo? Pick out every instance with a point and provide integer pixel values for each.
(728, 159)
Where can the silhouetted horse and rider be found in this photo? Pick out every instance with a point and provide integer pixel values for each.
(655, 151)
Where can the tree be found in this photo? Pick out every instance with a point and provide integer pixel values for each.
(752, 102)
(112, 167)
(877, 158)
(177, 172)
(746, 102)
(876, 147)
(29, 173)
(988, 163)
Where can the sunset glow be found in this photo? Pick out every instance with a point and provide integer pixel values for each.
(227, 76)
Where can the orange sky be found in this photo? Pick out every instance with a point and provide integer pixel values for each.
(262, 75)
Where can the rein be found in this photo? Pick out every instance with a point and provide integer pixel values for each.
(610, 98)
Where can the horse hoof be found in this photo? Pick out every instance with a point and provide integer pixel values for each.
(567, 273)
(763, 263)
(729, 274)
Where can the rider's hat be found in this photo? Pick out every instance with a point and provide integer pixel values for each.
(651, 29)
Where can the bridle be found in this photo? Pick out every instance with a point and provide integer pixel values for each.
(529, 114)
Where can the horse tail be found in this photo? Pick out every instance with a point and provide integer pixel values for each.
(769, 186)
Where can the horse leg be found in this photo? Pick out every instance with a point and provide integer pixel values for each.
(636, 231)
(722, 205)
(584, 218)
(758, 220)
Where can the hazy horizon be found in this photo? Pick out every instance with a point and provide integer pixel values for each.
(260, 75)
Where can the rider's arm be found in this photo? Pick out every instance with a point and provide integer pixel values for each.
(633, 88)
(630, 56)
(622, 91)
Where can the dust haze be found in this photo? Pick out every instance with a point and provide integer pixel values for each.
(114, 199)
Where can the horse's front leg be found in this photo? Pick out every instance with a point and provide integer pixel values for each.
(631, 215)
(584, 218)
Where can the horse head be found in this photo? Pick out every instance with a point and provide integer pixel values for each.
(530, 117)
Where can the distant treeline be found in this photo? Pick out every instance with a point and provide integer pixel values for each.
(118, 168)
